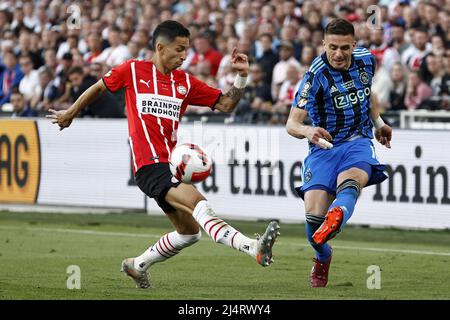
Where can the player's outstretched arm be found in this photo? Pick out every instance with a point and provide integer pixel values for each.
(229, 100)
(297, 129)
(383, 132)
(64, 117)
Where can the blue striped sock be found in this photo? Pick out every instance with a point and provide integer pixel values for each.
(346, 196)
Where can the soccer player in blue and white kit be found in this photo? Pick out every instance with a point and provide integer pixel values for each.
(336, 94)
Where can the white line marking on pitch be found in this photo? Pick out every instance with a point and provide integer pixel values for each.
(149, 235)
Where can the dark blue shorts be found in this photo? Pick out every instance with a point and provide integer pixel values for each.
(322, 167)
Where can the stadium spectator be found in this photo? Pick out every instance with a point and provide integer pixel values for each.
(61, 81)
(314, 20)
(20, 106)
(288, 12)
(244, 17)
(286, 53)
(232, 42)
(431, 21)
(116, 53)
(393, 49)
(417, 91)
(437, 45)
(397, 87)
(282, 106)
(289, 33)
(204, 51)
(26, 47)
(29, 85)
(420, 47)
(42, 19)
(41, 101)
(269, 57)
(256, 104)
(94, 47)
(398, 37)
(432, 71)
(142, 40)
(106, 106)
(308, 55)
(377, 44)
(245, 46)
(381, 85)
(5, 18)
(72, 42)
(411, 17)
(316, 38)
(10, 75)
(304, 34)
(268, 15)
(362, 34)
(50, 60)
(445, 86)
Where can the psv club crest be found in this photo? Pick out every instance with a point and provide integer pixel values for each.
(181, 90)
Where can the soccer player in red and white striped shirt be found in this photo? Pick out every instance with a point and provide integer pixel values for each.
(157, 94)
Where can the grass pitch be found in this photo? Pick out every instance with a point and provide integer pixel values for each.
(37, 248)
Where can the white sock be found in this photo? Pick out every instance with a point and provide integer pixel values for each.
(220, 231)
(166, 247)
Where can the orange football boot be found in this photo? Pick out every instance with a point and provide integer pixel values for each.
(330, 227)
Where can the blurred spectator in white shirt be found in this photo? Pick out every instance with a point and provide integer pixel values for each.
(412, 57)
(116, 53)
(29, 85)
(286, 54)
(232, 42)
(286, 94)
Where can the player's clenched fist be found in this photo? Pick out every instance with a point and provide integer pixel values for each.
(320, 137)
(384, 135)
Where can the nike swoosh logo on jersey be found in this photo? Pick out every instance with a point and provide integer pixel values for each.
(146, 83)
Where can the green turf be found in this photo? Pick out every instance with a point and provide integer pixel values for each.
(37, 248)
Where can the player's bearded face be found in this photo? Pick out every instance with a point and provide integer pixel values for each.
(339, 50)
(174, 53)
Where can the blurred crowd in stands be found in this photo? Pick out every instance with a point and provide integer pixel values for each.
(52, 51)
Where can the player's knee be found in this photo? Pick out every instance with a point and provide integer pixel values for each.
(349, 185)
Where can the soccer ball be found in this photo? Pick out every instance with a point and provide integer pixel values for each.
(189, 163)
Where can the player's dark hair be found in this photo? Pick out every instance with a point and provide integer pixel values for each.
(340, 27)
(169, 30)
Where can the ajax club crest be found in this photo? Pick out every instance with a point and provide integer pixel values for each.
(364, 77)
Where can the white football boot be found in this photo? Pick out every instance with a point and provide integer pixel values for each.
(264, 244)
(139, 277)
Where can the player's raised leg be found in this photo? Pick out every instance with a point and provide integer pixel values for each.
(350, 182)
(155, 181)
(185, 198)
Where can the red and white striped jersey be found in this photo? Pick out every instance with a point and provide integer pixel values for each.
(155, 104)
